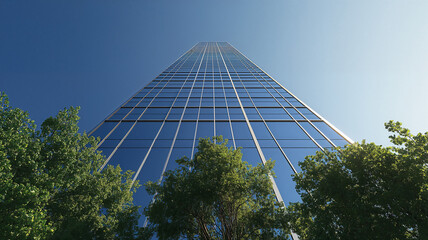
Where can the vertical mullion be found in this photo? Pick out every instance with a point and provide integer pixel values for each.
(180, 121)
(199, 108)
(319, 116)
(259, 150)
(267, 127)
(176, 132)
(293, 235)
(225, 99)
(285, 109)
(213, 79)
(179, 60)
(163, 123)
(133, 125)
(178, 129)
(184, 60)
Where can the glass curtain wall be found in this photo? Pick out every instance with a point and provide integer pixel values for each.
(213, 89)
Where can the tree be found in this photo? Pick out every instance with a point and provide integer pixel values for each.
(365, 191)
(216, 195)
(50, 186)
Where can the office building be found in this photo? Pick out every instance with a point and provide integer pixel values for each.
(213, 89)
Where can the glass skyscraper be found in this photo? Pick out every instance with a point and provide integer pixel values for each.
(213, 89)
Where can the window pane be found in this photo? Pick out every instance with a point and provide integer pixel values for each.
(296, 155)
(187, 130)
(260, 130)
(168, 130)
(191, 113)
(104, 129)
(155, 113)
(144, 130)
(283, 173)
(236, 113)
(223, 129)
(135, 114)
(221, 114)
(128, 158)
(315, 134)
(120, 114)
(205, 129)
(178, 153)
(206, 114)
(286, 130)
(251, 156)
(121, 130)
(328, 131)
(151, 171)
(241, 131)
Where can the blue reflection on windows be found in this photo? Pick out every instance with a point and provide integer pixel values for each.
(155, 113)
(260, 130)
(135, 114)
(286, 130)
(178, 153)
(206, 113)
(110, 143)
(296, 155)
(121, 130)
(251, 156)
(245, 143)
(308, 114)
(187, 131)
(197, 92)
(168, 130)
(236, 114)
(120, 113)
(104, 129)
(175, 113)
(283, 173)
(151, 171)
(241, 131)
(191, 113)
(223, 129)
(144, 130)
(221, 113)
(316, 135)
(252, 113)
(205, 129)
(128, 158)
(294, 114)
(273, 113)
(330, 133)
(105, 151)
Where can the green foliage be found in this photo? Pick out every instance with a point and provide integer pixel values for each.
(365, 191)
(50, 186)
(216, 195)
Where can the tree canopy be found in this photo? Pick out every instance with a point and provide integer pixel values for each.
(365, 191)
(50, 186)
(216, 195)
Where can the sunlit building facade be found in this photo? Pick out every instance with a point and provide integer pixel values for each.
(213, 89)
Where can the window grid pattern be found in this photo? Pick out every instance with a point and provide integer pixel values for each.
(210, 90)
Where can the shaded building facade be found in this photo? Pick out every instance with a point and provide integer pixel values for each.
(211, 90)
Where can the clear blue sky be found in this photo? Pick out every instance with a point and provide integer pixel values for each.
(357, 63)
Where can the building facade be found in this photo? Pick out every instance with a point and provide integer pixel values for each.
(211, 90)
